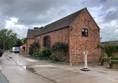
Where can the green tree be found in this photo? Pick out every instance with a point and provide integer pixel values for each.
(7, 38)
(23, 40)
(18, 42)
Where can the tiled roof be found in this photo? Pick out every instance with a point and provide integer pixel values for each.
(66, 21)
(32, 32)
(59, 24)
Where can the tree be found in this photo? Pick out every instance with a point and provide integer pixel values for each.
(7, 38)
(23, 40)
(18, 42)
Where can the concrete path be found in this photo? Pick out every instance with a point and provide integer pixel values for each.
(17, 74)
(72, 74)
(3, 78)
(63, 73)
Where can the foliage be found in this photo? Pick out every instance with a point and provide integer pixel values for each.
(44, 53)
(60, 47)
(18, 42)
(114, 58)
(110, 49)
(53, 57)
(7, 38)
(104, 59)
(114, 61)
(34, 47)
(35, 54)
(23, 40)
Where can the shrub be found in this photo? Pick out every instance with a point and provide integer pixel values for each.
(53, 57)
(44, 53)
(114, 61)
(35, 54)
(60, 47)
(104, 59)
(110, 49)
(34, 47)
(114, 58)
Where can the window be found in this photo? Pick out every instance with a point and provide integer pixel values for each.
(46, 41)
(85, 32)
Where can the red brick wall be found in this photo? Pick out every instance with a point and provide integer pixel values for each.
(56, 36)
(23, 51)
(28, 43)
(73, 36)
(78, 43)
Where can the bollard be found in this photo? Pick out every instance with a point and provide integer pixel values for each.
(85, 53)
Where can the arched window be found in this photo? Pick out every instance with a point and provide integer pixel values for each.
(84, 32)
(46, 41)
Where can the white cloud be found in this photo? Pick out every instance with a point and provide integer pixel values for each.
(19, 15)
(12, 24)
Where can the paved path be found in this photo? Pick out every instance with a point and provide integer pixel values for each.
(3, 79)
(72, 74)
(63, 73)
(17, 74)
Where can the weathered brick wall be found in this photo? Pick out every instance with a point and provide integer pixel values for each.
(55, 36)
(78, 43)
(23, 50)
(28, 43)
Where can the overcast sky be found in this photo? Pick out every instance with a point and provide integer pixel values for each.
(20, 15)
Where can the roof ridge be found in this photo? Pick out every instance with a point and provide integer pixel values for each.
(56, 25)
(67, 16)
(61, 23)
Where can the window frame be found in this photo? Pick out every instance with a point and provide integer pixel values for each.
(84, 32)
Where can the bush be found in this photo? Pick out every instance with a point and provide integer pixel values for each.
(110, 49)
(53, 57)
(35, 54)
(114, 58)
(60, 47)
(114, 61)
(34, 47)
(104, 59)
(44, 53)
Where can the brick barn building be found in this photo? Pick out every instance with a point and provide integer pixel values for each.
(79, 30)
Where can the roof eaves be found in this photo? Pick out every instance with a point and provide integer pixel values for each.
(51, 31)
